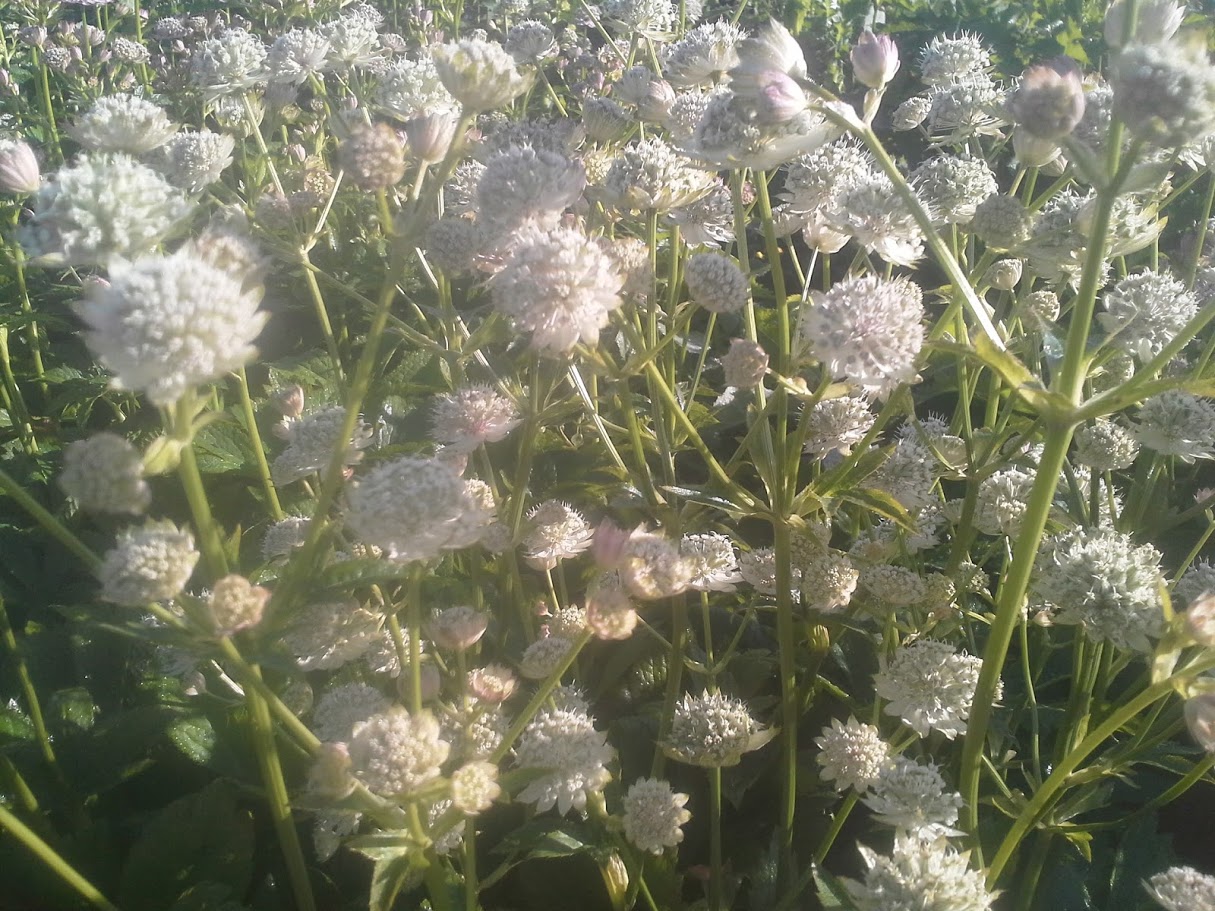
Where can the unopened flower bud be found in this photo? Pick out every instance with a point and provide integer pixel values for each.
(431, 135)
(610, 614)
(745, 364)
(19, 172)
(289, 400)
(655, 107)
(458, 628)
(236, 604)
(1049, 101)
(778, 98)
(608, 544)
(1200, 718)
(373, 157)
(1004, 274)
(1200, 620)
(875, 59)
(1033, 151)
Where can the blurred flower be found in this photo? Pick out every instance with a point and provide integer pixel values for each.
(480, 74)
(654, 815)
(236, 604)
(19, 171)
(924, 873)
(1156, 21)
(457, 628)
(311, 441)
(104, 473)
(394, 752)
(325, 635)
(373, 156)
(123, 123)
(1176, 423)
(1165, 93)
(875, 59)
(152, 562)
(1049, 100)
(342, 707)
(1146, 311)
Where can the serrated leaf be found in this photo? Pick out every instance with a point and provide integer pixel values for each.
(15, 724)
(352, 573)
(880, 502)
(396, 870)
(221, 447)
(832, 893)
(194, 736)
(202, 838)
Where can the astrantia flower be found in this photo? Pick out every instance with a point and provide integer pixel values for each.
(295, 55)
(1182, 889)
(654, 815)
(930, 686)
(879, 220)
(101, 207)
(652, 19)
(560, 286)
(952, 186)
(556, 531)
(893, 586)
(652, 567)
(1001, 221)
(713, 730)
(152, 562)
(716, 282)
(104, 473)
(1198, 580)
(411, 88)
(521, 184)
(851, 754)
(828, 581)
(228, 63)
(1002, 501)
(1105, 446)
(867, 330)
(1177, 423)
(910, 796)
(236, 604)
(472, 415)
(372, 156)
(836, 425)
(474, 787)
(922, 874)
(311, 441)
(703, 55)
(480, 74)
(530, 41)
(284, 537)
(711, 562)
(964, 107)
(652, 175)
(342, 707)
(193, 160)
(815, 181)
(1145, 311)
(166, 324)
(457, 628)
(328, 634)
(544, 656)
(123, 123)
(1100, 579)
(414, 509)
(1165, 93)
(563, 742)
(953, 57)
(758, 569)
(395, 752)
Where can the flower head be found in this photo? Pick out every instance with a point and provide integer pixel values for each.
(395, 752)
(166, 324)
(123, 123)
(711, 561)
(910, 796)
(521, 184)
(1049, 101)
(1177, 423)
(930, 686)
(1165, 93)
(103, 206)
(480, 74)
(342, 707)
(654, 815)
(875, 59)
(562, 741)
(851, 754)
(867, 329)
(1145, 311)
(922, 873)
(1182, 889)
(152, 562)
(716, 282)
(713, 730)
(556, 531)
(325, 635)
(104, 473)
(311, 441)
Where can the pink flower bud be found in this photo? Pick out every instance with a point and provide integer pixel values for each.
(1200, 718)
(607, 547)
(289, 400)
(1049, 101)
(431, 135)
(778, 98)
(1200, 620)
(458, 628)
(875, 59)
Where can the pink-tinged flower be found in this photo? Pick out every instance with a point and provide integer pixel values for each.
(875, 59)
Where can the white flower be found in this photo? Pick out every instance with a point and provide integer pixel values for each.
(1177, 423)
(922, 874)
(713, 730)
(282, 538)
(559, 285)
(522, 184)
(328, 634)
(654, 815)
(867, 329)
(556, 531)
(652, 175)
(952, 187)
(103, 206)
(415, 509)
(123, 123)
(230, 62)
(930, 687)
(395, 752)
(828, 581)
(851, 754)
(953, 57)
(711, 561)
(236, 604)
(912, 797)
(342, 707)
(411, 88)
(193, 160)
(1182, 889)
(563, 742)
(544, 656)
(1105, 446)
(880, 221)
(474, 787)
(166, 324)
(149, 563)
(1145, 311)
(703, 55)
(716, 282)
(480, 74)
(295, 55)
(104, 473)
(311, 442)
(1101, 580)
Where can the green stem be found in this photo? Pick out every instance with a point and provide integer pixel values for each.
(45, 853)
(32, 704)
(1200, 237)
(48, 522)
(209, 535)
(48, 108)
(322, 315)
(21, 414)
(679, 639)
(715, 868)
(280, 806)
(1057, 781)
(790, 705)
(259, 450)
(837, 825)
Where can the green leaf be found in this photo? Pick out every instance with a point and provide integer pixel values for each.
(223, 446)
(203, 838)
(194, 736)
(397, 870)
(14, 724)
(1141, 853)
(831, 891)
(74, 707)
(880, 502)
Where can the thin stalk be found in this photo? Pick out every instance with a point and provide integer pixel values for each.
(471, 886)
(60, 867)
(322, 316)
(48, 108)
(21, 413)
(1027, 880)
(209, 535)
(49, 523)
(259, 451)
(32, 338)
(1191, 269)
(679, 639)
(28, 691)
(280, 806)
(837, 825)
(1058, 779)
(715, 869)
(788, 680)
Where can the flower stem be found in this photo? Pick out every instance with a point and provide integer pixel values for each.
(45, 853)
(715, 869)
(209, 535)
(679, 639)
(32, 704)
(259, 451)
